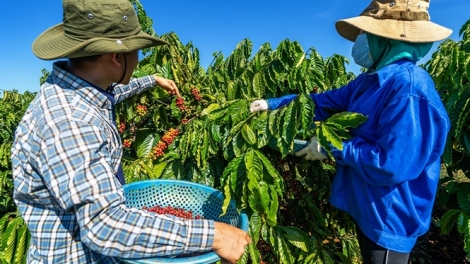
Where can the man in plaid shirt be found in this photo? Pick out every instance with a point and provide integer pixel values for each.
(67, 151)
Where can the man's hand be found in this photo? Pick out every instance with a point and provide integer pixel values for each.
(258, 105)
(313, 151)
(229, 242)
(167, 85)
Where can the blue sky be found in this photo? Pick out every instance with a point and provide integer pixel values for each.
(211, 26)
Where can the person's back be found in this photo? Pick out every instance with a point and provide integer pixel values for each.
(403, 109)
(41, 176)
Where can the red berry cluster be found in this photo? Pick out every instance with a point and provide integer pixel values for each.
(127, 143)
(121, 127)
(196, 94)
(170, 136)
(159, 149)
(141, 110)
(166, 140)
(168, 210)
(184, 121)
(180, 103)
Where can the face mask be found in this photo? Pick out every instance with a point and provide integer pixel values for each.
(361, 52)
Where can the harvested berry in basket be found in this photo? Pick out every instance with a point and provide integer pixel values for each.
(168, 210)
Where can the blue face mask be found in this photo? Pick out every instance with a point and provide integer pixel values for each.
(361, 52)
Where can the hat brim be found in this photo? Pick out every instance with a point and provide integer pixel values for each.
(408, 31)
(54, 44)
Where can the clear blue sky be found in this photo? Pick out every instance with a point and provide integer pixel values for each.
(211, 25)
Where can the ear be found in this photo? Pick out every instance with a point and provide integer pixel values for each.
(115, 58)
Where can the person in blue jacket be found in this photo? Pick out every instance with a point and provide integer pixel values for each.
(387, 174)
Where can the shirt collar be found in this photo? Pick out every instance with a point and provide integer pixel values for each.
(388, 71)
(88, 91)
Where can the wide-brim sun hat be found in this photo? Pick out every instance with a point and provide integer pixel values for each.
(92, 27)
(404, 20)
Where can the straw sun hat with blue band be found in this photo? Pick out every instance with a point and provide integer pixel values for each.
(94, 27)
(404, 20)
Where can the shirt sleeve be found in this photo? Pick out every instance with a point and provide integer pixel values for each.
(326, 103)
(79, 175)
(276, 103)
(333, 101)
(134, 87)
(411, 135)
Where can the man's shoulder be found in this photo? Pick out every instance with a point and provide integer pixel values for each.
(54, 100)
(405, 74)
(58, 104)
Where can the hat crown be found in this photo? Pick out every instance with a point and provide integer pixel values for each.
(409, 10)
(86, 19)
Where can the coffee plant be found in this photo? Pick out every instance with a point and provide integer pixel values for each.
(209, 136)
(14, 235)
(450, 68)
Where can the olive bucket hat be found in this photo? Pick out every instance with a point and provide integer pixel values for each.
(404, 20)
(94, 27)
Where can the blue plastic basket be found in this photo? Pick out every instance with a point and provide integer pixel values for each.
(200, 199)
(298, 144)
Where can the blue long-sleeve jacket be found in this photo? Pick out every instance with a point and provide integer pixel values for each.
(387, 174)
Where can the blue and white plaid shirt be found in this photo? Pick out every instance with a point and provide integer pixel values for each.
(65, 157)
